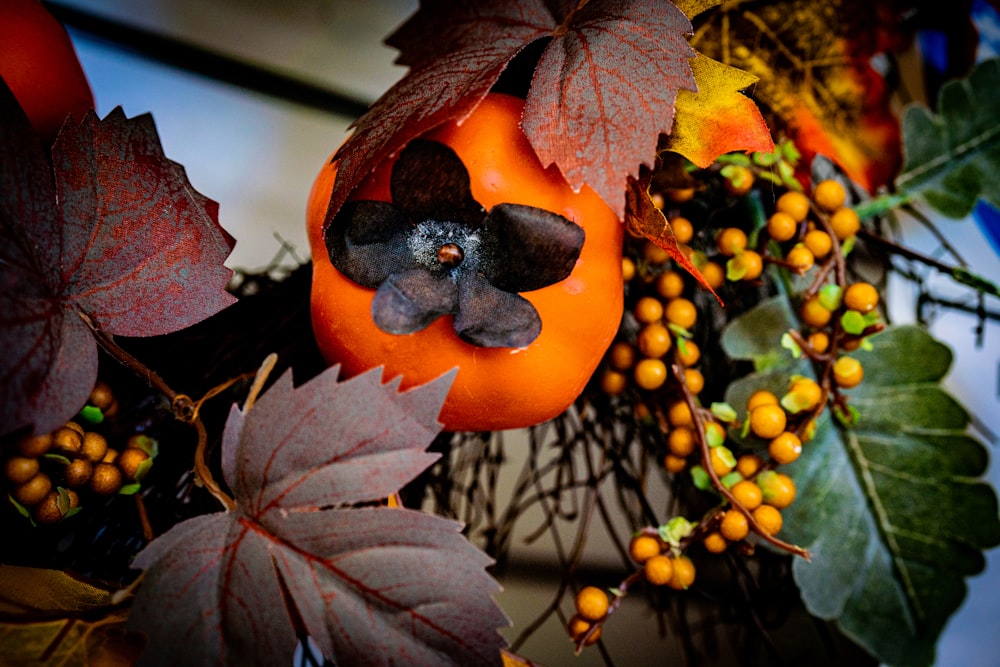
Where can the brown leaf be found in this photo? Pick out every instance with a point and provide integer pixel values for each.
(371, 585)
(50, 617)
(645, 219)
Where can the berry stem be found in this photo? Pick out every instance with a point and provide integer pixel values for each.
(699, 433)
(185, 410)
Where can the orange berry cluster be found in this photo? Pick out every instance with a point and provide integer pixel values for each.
(46, 473)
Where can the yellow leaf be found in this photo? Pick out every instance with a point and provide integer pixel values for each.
(692, 8)
(718, 118)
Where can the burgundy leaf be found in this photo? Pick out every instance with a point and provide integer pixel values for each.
(371, 585)
(602, 93)
(456, 51)
(142, 251)
(113, 230)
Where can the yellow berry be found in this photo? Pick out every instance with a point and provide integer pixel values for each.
(578, 627)
(650, 374)
(694, 380)
(794, 204)
(681, 441)
(613, 382)
(681, 312)
(643, 547)
(818, 242)
(829, 195)
(592, 603)
(714, 274)
(781, 226)
(670, 284)
(679, 195)
(768, 518)
(715, 543)
(648, 309)
(748, 465)
(94, 447)
(107, 479)
(862, 297)
(848, 372)
(688, 353)
(654, 340)
(819, 341)
(78, 473)
(628, 269)
(785, 448)
(674, 464)
(659, 570)
(777, 489)
(734, 526)
(721, 460)
(761, 397)
(654, 254)
(739, 180)
(19, 469)
(683, 229)
(814, 313)
(803, 394)
(47, 511)
(715, 433)
(747, 493)
(622, 356)
(748, 263)
(679, 414)
(731, 240)
(33, 491)
(683, 573)
(845, 223)
(767, 421)
(33, 446)
(800, 258)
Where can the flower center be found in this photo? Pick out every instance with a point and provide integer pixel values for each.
(450, 255)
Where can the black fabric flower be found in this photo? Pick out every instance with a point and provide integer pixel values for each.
(435, 251)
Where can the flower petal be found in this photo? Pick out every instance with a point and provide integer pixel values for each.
(409, 301)
(530, 248)
(367, 241)
(491, 317)
(429, 182)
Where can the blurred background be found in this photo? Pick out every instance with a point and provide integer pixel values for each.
(257, 155)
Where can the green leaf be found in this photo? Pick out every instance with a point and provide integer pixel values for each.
(831, 296)
(951, 158)
(892, 509)
(724, 412)
(756, 335)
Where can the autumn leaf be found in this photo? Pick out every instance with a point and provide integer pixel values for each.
(602, 93)
(717, 119)
(816, 77)
(645, 219)
(371, 585)
(103, 227)
(50, 617)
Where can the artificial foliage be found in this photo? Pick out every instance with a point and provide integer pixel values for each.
(778, 471)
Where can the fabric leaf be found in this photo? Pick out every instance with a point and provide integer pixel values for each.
(646, 219)
(50, 617)
(814, 62)
(717, 119)
(371, 585)
(109, 228)
(602, 92)
(892, 509)
(951, 157)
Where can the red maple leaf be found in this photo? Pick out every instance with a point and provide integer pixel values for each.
(104, 227)
(602, 93)
(371, 586)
